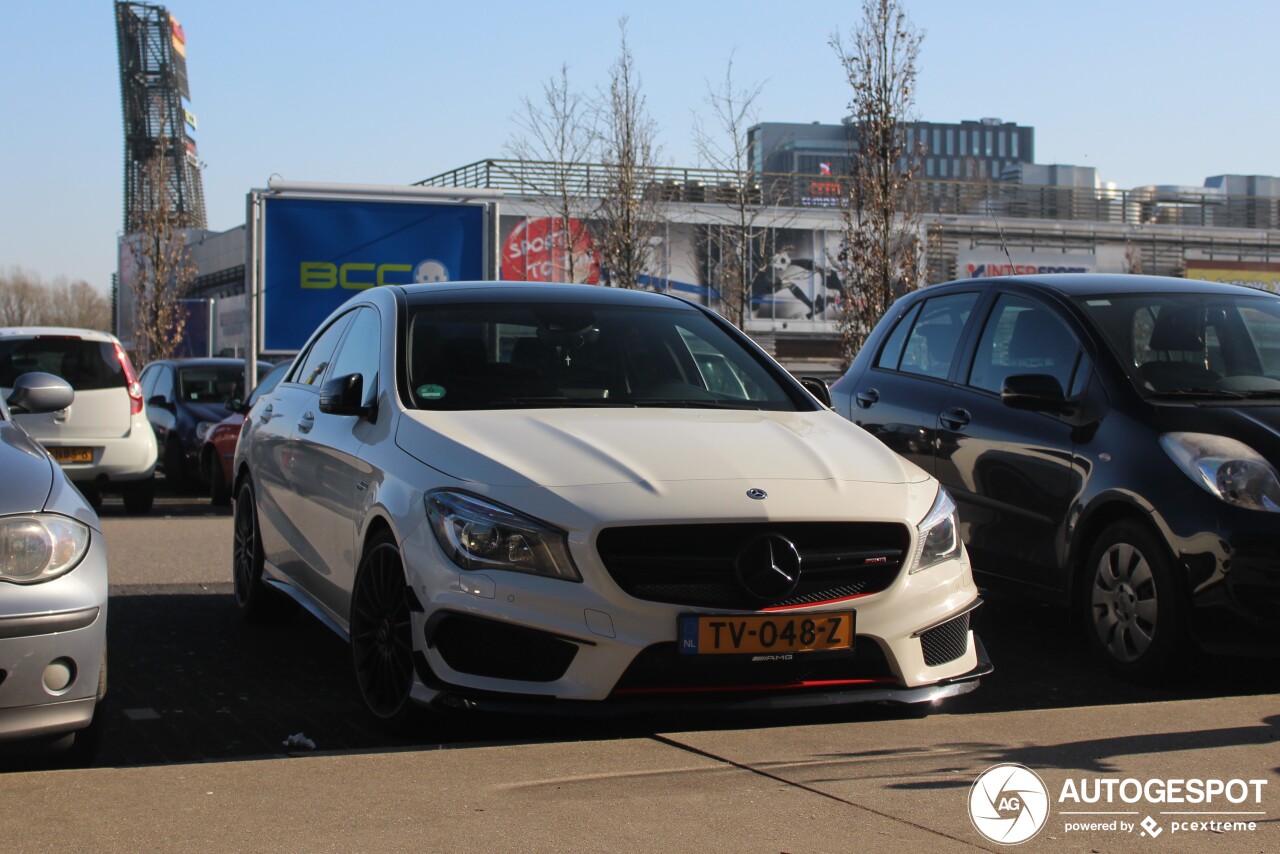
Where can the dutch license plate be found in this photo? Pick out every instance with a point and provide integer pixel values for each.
(757, 633)
(72, 455)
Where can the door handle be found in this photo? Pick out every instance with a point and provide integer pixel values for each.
(955, 419)
(867, 399)
(265, 415)
(306, 422)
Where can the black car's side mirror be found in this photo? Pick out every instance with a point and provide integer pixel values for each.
(818, 387)
(344, 396)
(159, 401)
(1035, 392)
(235, 404)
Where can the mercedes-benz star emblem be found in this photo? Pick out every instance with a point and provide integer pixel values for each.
(768, 567)
(757, 494)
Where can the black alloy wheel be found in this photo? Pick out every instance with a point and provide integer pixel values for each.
(139, 496)
(382, 634)
(256, 600)
(1136, 620)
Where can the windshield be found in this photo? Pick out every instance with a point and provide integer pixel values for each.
(544, 355)
(1210, 345)
(209, 384)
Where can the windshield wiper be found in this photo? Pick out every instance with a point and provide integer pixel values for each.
(685, 403)
(1220, 393)
(553, 403)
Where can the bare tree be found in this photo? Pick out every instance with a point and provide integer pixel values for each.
(630, 213)
(164, 269)
(554, 148)
(23, 299)
(78, 304)
(881, 253)
(26, 300)
(737, 246)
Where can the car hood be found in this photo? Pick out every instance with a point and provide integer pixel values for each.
(581, 447)
(214, 412)
(28, 473)
(1256, 426)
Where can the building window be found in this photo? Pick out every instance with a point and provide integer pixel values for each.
(951, 139)
(990, 147)
(937, 141)
(1000, 143)
(942, 168)
(1014, 141)
(928, 168)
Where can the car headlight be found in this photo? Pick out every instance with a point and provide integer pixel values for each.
(39, 547)
(1228, 468)
(938, 535)
(203, 428)
(478, 534)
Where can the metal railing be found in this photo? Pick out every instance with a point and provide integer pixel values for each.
(1142, 206)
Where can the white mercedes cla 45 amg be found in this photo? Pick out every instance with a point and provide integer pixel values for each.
(508, 494)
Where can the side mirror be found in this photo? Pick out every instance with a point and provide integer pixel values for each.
(344, 396)
(234, 404)
(159, 401)
(37, 392)
(818, 387)
(1036, 393)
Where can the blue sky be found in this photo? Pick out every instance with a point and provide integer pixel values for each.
(393, 91)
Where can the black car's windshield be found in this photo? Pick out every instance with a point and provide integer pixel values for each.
(209, 384)
(512, 356)
(1223, 346)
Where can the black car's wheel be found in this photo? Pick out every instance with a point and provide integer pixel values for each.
(382, 635)
(1136, 619)
(219, 492)
(139, 496)
(256, 600)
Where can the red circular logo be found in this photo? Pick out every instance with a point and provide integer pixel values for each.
(539, 250)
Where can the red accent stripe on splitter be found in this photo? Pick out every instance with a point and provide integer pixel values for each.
(786, 686)
(815, 604)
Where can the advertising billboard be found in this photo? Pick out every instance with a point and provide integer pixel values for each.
(1255, 274)
(979, 263)
(318, 252)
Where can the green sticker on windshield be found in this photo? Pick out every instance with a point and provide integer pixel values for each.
(430, 392)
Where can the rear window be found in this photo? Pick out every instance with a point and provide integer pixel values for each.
(86, 365)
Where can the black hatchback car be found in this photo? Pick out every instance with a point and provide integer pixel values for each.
(1112, 443)
(185, 399)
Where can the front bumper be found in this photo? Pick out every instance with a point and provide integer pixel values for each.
(50, 633)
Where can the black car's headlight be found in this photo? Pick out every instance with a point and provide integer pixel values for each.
(478, 534)
(40, 546)
(938, 535)
(1228, 468)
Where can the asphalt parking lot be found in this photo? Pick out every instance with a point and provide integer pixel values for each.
(197, 755)
(191, 682)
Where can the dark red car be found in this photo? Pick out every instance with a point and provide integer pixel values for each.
(219, 446)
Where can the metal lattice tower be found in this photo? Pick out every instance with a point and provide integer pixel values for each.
(153, 84)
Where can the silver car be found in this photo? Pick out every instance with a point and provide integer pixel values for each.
(53, 585)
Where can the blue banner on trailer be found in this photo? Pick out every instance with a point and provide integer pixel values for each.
(317, 253)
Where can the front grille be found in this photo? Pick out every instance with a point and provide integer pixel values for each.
(695, 564)
(662, 669)
(499, 650)
(946, 642)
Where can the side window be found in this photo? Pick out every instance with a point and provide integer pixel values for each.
(311, 367)
(891, 355)
(148, 380)
(934, 338)
(360, 351)
(1023, 337)
(164, 383)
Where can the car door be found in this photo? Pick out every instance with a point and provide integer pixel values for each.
(327, 473)
(273, 453)
(1011, 471)
(898, 398)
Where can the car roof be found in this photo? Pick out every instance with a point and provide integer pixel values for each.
(59, 331)
(201, 362)
(456, 292)
(1096, 284)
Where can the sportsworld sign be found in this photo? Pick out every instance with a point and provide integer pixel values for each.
(318, 252)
